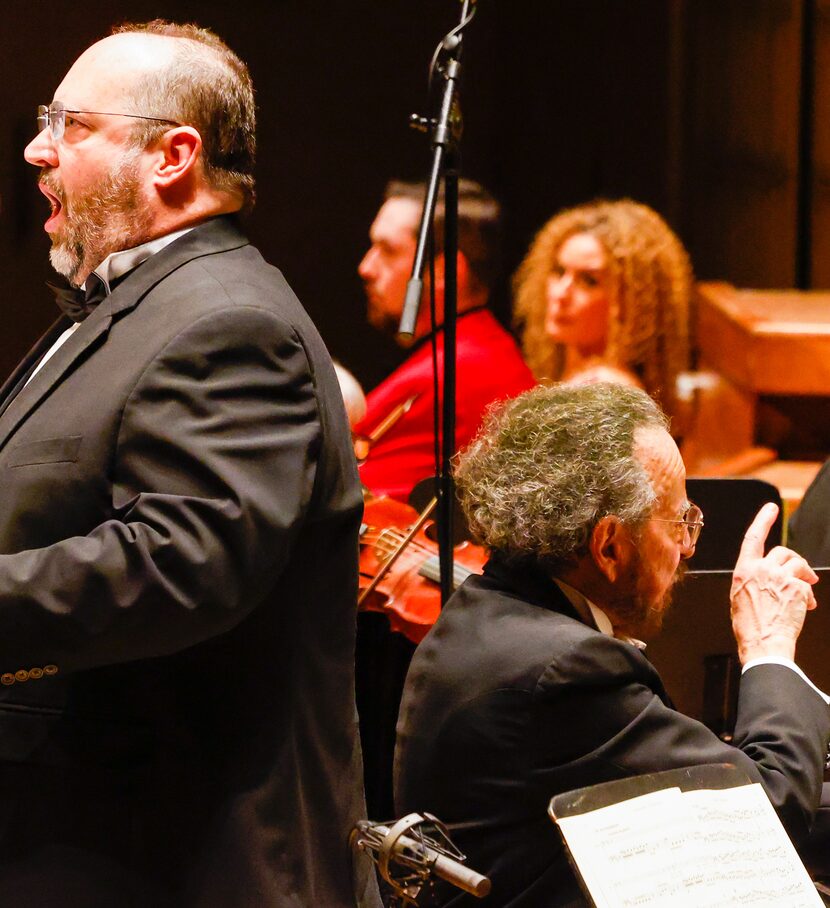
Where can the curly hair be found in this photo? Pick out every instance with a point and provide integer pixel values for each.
(549, 464)
(206, 86)
(651, 283)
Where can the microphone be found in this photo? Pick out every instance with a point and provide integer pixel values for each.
(420, 844)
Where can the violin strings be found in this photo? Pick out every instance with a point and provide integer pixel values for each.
(407, 558)
(391, 545)
(391, 539)
(398, 536)
(392, 532)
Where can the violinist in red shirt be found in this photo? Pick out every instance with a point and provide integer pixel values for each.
(489, 364)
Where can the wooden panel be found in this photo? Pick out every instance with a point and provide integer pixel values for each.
(720, 428)
(769, 342)
(763, 391)
(698, 626)
(743, 75)
(820, 188)
(790, 477)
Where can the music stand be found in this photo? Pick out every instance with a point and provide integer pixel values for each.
(703, 835)
(696, 655)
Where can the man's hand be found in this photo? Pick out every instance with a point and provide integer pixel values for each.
(770, 594)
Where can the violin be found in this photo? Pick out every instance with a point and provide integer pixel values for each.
(399, 567)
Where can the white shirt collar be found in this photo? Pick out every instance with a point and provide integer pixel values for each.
(119, 263)
(592, 614)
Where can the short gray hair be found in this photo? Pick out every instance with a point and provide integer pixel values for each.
(208, 87)
(547, 466)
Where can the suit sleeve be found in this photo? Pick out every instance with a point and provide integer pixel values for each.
(212, 472)
(608, 698)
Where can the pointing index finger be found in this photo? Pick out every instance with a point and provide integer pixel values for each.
(756, 535)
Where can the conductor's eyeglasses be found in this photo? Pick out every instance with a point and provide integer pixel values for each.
(691, 524)
(54, 116)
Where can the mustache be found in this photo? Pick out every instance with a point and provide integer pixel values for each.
(51, 181)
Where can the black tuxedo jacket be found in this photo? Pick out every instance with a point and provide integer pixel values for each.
(512, 699)
(179, 510)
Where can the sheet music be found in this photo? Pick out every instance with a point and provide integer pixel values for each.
(702, 849)
(741, 841)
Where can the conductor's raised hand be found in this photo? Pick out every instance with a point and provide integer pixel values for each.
(770, 595)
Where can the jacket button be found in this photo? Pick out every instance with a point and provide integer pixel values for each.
(21, 675)
(50, 669)
(7, 678)
(35, 673)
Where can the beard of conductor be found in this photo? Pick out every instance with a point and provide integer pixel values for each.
(179, 530)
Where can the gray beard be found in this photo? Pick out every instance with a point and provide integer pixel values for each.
(109, 217)
(641, 618)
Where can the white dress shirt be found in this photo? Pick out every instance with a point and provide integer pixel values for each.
(114, 266)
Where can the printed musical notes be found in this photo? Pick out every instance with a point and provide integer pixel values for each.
(699, 848)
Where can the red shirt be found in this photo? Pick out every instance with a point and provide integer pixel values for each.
(489, 367)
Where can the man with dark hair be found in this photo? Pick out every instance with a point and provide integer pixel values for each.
(490, 366)
(179, 521)
(533, 682)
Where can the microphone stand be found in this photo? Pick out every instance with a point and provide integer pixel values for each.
(445, 135)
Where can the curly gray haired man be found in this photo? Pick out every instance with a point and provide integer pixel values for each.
(535, 666)
(551, 464)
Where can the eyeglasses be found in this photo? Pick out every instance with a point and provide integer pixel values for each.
(692, 523)
(54, 116)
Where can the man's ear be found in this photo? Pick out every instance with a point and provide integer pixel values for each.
(439, 274)
(179, 150)
(463, 268)
(611, 547)
(462, 272)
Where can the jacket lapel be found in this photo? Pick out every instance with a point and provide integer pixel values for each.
(18, 407)
(532, 584)
(218, 235)
(536, 588)
(13, 384)
(214, 236)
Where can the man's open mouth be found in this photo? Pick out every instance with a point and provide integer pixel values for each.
(55, 203)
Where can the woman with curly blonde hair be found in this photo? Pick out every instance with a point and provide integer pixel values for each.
(603, 295)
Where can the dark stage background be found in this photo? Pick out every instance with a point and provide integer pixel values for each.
(705, 110)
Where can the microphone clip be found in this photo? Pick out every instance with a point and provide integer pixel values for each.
(411, 852)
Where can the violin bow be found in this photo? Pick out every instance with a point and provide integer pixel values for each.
(363, 443)
(413, 531)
